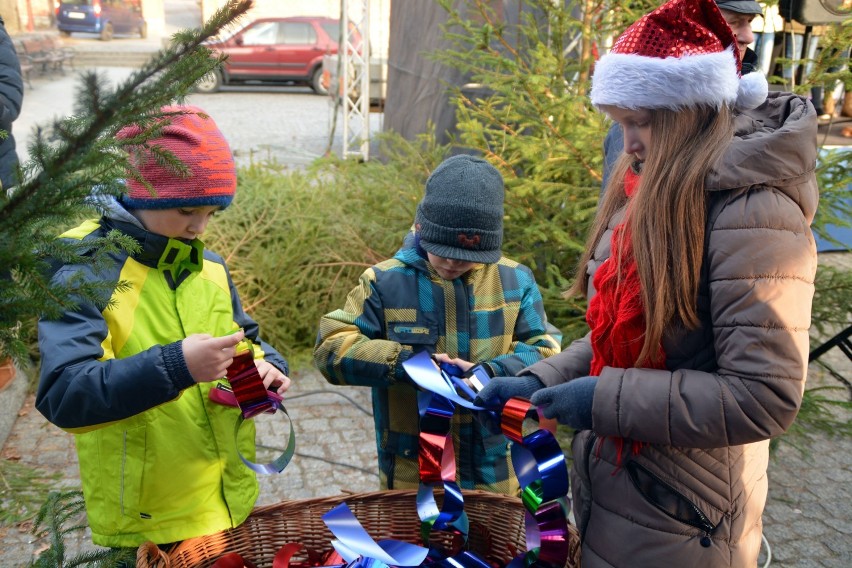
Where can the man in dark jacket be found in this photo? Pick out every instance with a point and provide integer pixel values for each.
(739, 15)
(11, 98)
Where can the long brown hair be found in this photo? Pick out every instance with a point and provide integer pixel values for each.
(667, 215)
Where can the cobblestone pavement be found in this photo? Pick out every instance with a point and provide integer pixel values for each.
(808, 520)
(335, 452)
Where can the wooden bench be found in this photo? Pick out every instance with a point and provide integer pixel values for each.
(63, 53)
(26, 65)
(41, 54)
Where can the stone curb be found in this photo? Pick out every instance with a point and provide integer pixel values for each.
(11, 400)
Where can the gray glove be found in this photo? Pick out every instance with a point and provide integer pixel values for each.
(569, 403)
(500, 389)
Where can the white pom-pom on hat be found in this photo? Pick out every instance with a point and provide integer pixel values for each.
(752, 91)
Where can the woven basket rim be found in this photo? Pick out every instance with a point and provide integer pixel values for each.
(499, 516)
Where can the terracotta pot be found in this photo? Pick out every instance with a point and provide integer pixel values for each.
(7, 372)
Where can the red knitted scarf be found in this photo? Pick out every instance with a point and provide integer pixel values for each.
(615, 313)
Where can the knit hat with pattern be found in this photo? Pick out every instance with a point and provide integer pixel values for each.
(195, 140)
(461, 214)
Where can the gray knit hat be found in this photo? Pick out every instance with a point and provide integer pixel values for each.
(461, 214)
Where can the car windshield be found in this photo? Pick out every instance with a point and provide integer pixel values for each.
(78, 2)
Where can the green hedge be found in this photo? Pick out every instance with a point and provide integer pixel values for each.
(296, 241)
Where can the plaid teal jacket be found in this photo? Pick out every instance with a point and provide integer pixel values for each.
(493, 315)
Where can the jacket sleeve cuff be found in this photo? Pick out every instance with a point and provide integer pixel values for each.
(176, 366)
(399, 374)
(544, 372)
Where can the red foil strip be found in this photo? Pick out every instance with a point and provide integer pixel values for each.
(285, 553)
(247, 385)
(232, 560)
(436, 458)
(512, 421)
(431, 456)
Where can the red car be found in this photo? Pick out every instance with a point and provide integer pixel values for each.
(275, 51)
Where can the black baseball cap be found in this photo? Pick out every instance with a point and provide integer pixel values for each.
(740, 6)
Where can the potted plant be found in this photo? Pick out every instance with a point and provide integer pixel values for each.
(7, 371)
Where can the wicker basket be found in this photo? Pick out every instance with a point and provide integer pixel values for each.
(496, 530)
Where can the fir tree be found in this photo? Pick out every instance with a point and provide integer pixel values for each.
(532, 118)
(76, 159)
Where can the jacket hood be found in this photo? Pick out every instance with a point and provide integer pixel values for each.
(774, 145)
(411, 253)
(114, 209)
(155, 250)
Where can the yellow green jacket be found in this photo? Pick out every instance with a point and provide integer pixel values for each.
(158, 459)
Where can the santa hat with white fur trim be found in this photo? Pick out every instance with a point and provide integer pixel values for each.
(681, 54)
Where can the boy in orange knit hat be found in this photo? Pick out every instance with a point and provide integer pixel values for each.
(131, 377)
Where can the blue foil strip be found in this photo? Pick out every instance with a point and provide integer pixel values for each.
(355, 541)
(460, 385)
(278, 464)
(541, 458)
(466, 559)
(436, 413)
(444, 518)
(426, 374)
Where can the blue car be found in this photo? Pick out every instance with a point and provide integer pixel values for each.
(102, 17)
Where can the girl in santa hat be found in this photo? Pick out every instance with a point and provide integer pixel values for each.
(699, 271)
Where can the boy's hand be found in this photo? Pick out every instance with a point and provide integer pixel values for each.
(272, 377)
(208, 357)
(460, 363)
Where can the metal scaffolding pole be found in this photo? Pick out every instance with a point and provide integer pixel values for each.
(355, 51)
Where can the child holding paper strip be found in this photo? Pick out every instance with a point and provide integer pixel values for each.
(448, 291)
(131, 378)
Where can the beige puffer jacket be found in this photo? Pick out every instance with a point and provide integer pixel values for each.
(695, 495)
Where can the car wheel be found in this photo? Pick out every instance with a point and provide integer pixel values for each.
(106, 32)
(210, 83)
(143, 30)
(317, 82)
(63, 33)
